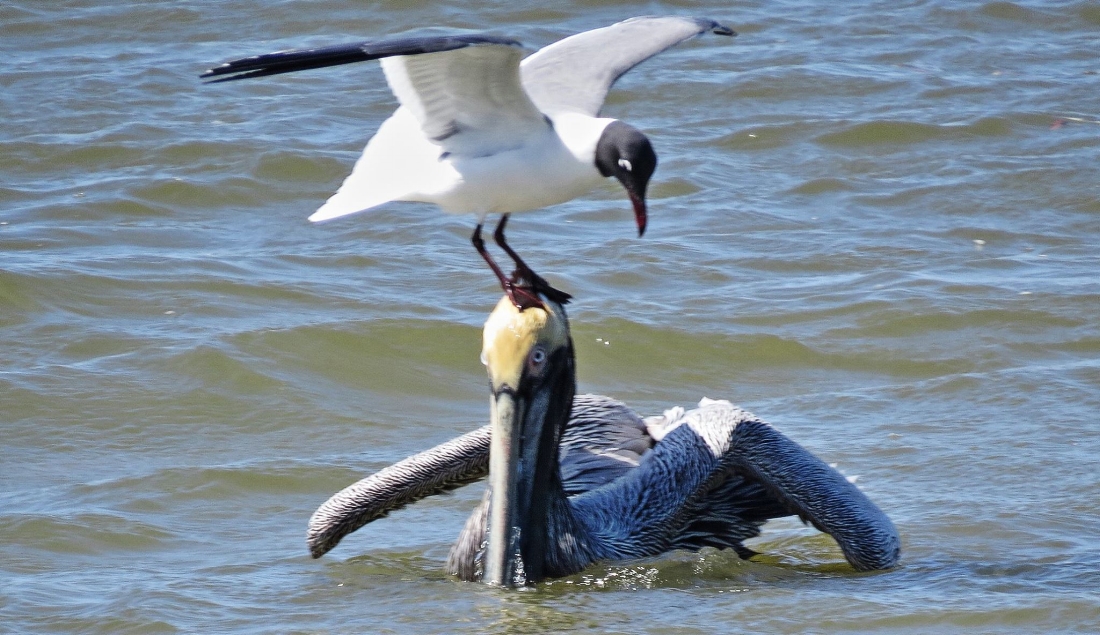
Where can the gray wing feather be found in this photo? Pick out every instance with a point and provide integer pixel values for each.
(817, 493)
(574, 74)
(467, 100)
(728, 514)
(446, 466)
(464, 90)
(603, 440)
(463, 560)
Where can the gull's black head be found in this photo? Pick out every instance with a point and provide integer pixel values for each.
(626, 154)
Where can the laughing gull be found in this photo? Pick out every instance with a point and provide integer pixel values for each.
(481, 130)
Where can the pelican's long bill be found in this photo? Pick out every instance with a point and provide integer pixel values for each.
(529, 358)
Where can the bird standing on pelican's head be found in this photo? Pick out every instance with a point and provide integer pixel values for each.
(481, 130)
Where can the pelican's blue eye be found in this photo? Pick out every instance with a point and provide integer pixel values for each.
(536, 362)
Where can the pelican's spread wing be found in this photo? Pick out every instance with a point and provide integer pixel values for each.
(817, 493)
(446, 466)
(603, 440)
(716, 450)
(574, 74)
(743, 472)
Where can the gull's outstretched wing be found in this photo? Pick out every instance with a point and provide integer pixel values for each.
(469, 101)
(574, 74)
(463, 90)
(305, 59)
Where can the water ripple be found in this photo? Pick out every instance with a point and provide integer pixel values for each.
(872, 225)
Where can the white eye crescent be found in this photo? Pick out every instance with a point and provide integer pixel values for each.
(624, 164)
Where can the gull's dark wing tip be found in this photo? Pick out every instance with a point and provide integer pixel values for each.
(288, 62)
(305, 59)
(722, 29)
(715, 27)
(225, 73)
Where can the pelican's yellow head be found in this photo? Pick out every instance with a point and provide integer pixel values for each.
(517, 342)
(529, 356)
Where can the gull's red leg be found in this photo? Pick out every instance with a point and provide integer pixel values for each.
(524, 275)
(521, 296)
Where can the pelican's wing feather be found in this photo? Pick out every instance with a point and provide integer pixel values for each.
(446, 466)
(574, 74)
(603, 440)
(719, 457)
(819, 494)
(727, 515)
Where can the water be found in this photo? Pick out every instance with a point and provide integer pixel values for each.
(875, 225)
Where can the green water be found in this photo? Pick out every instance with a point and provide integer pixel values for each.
(876, 225)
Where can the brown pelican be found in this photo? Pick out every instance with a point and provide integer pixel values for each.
(480, 131)
(577, 480)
